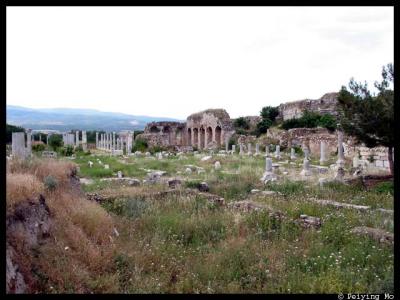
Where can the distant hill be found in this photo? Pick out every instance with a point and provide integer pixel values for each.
(65, 119)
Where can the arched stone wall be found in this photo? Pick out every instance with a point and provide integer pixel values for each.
(189, 137)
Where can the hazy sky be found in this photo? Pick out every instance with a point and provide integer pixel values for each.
(173, 61)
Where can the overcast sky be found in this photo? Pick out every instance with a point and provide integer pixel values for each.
(174, 61)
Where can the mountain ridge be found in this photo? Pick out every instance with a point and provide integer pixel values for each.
(65, 119)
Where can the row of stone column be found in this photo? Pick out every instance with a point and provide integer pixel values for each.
(109, 142)
(323, 155)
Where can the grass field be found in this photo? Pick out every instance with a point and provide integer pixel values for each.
(182, 243)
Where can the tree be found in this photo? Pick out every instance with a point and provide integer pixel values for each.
(268, 115)
(55, 141)
(269, 112)
(369, 117)
(241, 123)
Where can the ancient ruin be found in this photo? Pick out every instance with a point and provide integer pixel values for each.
(208, 129)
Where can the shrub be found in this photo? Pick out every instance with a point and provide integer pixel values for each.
(263, 126)
(50, 183)
(156, 149)
(140, 145)
(67, 151)
(386, 187)
(55, 141)
(311, 120)
(38, 147)
(241, 123)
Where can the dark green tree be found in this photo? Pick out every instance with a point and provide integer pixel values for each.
(241, 123)
(269, 112)
(55, 141)
(268, 115)
(369, 117)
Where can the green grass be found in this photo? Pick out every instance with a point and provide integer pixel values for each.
(183, 244)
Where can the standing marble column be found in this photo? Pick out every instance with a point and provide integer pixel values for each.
(257, 149)
(248, 148)
(306, 168)
(226, 144)
(267, 150)
(29, 141)
(233, 149)
(278, 152)
(77, 138)
(18, 145)
(113, 141)
(97, 140)
(340, 161)
(323, 154)
(84, 141)
(241, 152)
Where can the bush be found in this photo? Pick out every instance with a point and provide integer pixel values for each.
(241, 123)
(263, 126)
(67, 151)
(38, 147)
(50, 183)
(386, 187)
(55, 141)
(140, 145)
(156, 149)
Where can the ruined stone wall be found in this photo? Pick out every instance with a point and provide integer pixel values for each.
(324, 105)
(209, 129)
(164, 134)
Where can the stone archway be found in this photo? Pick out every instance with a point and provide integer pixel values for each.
(154, 129)
(218, 135)
(202, 137)
(167, 130)
(195, 136)
(178, 136)
(208, 135)
(189, 136)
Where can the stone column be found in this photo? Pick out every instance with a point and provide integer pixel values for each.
(47, 139)
(97, 140)
(267, 150)
(306, 168)
(340, 161)
(77, 138)
(323, 154)
(233, 149)
(84, 141)
(268, 164)
(127, 144)
(192, 137)
(241, 152)
(199, 139)
(278, 152)
(306, 153)
(29, 141)
(248, 148)
(40, 137)
(18, 144)
(292, 153)
(226, 144)
(257, 149)
(113, 141)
